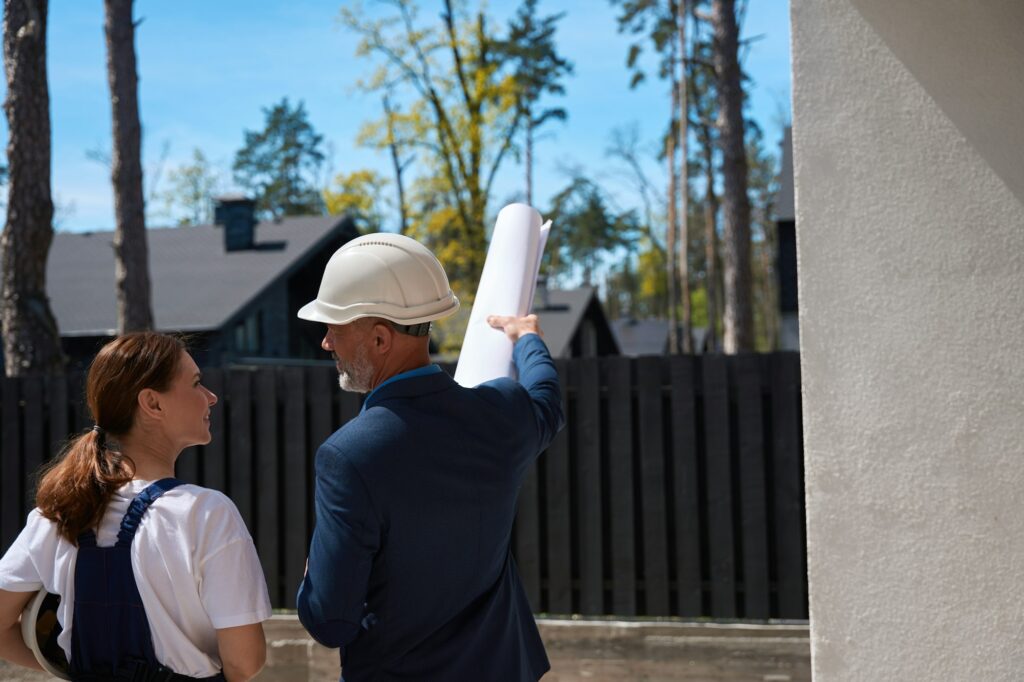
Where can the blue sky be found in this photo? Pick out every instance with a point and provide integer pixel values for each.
(208, 68)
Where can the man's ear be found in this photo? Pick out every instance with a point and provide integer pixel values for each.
(149, 403)
(382, 337)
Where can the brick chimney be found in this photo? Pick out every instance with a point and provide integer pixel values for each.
(237, 214)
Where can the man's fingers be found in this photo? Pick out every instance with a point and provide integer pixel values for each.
(499, 321)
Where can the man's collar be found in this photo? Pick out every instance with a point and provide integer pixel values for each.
(425, 371)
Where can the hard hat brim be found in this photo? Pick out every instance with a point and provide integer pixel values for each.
(317, 311)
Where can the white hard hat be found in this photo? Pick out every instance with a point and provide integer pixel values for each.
(382, 275)
(40, 629)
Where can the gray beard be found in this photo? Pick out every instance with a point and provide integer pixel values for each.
(356, 377)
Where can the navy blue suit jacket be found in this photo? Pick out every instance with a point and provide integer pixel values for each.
(410, 566)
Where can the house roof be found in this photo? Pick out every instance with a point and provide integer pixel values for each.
(641, 337)
(196, 285)
(560, 316)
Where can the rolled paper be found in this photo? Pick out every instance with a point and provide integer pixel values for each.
(507, 286)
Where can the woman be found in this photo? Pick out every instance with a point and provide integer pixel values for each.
(186, 549)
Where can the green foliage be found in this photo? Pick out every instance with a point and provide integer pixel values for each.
(586, 231)
(459, 114)
(280, 164)
(654, 21)
(461, 92)
(191, 190)
(360, 195)
(537, 68)
(762, 186)
(637, 287)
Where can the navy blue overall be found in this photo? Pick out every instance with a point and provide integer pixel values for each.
(110, 637)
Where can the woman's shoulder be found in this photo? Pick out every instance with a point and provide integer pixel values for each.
(183, 495)
(205, 514)
(203, 501)
(199, 494)
(38, 527)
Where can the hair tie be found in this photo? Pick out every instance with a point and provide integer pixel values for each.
(101, 432)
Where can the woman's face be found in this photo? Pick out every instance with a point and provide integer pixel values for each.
(187, 403)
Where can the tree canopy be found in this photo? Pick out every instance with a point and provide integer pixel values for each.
(280, 165)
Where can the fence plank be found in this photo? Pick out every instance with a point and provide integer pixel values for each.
(349, 405)
(11, 482)
(269, 526)
(57, 403)
(33, 437)
(753, 496)
(297, 484)
(320, 390)
(213, 460)
(81, 419)
(620, 477)
(686, 488)
(719, 487)
(186, 468)
(788, 487)
(240, 444)
(652, 486)
(559, 526)
(587, 431)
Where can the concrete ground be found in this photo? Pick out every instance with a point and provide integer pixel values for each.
(586, 651)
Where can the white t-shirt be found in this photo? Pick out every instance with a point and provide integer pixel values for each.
(194, 563)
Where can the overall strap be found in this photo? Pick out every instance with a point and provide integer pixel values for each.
(138, 507)
(87, 538)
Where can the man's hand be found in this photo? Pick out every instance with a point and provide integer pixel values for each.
(515, 328)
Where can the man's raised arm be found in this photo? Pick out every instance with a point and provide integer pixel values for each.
(537, 371)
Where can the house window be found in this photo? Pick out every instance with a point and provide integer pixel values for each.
(247, 334)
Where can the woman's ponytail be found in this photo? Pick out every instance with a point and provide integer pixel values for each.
(75, 490)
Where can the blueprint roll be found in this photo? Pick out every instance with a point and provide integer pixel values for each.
(507, 286)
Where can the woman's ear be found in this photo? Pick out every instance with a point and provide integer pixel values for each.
(149, 403)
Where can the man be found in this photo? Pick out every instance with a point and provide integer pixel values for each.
(410, 570)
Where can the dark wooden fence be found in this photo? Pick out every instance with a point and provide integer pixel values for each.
(675, 490)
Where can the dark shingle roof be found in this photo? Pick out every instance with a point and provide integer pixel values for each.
(641, 337)
(559, 316)
(196, 285)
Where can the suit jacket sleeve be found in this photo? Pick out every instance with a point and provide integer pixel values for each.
(346, 538)
(539, 377)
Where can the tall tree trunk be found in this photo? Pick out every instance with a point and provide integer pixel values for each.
(684, 206)
(31, 340)
(529, 158)
(403, 214)
(739, 318)
(131, 255)
(670, 231)
(711, 243)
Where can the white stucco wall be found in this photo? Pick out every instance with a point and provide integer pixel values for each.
(911, 260)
